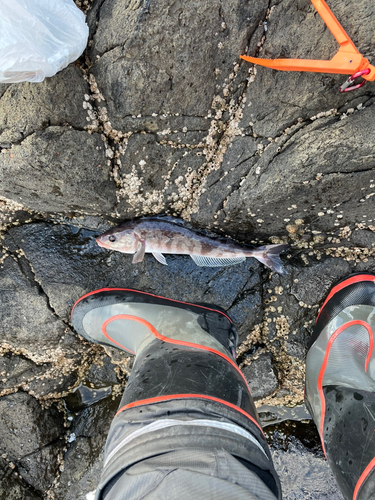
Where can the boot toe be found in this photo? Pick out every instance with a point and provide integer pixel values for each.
(125, 319)
(358, 289)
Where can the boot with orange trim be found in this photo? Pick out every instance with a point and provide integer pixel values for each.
(187, 426)
(340, 384)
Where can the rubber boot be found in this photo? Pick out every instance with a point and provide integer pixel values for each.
(340, 384)
(130, 319)
(184, 367)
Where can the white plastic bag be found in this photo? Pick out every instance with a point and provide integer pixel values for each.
(38, 38)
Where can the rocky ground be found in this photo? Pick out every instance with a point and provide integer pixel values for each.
(161, 116)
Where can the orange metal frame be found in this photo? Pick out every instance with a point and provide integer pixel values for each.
(348, 59)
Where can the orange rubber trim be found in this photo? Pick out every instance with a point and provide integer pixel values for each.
(167, 339)
(159, 399)
(325, 361)
(151, 295)
(362, 478)
(344, 284)
(104, 331)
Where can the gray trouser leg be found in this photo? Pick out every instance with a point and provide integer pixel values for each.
(185, 449)
(187, 428)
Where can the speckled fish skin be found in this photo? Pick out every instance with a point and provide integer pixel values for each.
(159, 237)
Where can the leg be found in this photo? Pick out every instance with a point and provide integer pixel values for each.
(340, 384)
(187, 426)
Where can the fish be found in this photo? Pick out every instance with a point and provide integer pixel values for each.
(169, 236)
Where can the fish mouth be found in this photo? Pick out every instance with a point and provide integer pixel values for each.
(100, 243)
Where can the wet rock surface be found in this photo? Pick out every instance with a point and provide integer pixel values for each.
(31, 439)
(161, 116)
(49, 266)
(65, 279)
(300, 463)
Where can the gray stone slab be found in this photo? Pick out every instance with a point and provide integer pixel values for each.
(323, 176)
(28, 107)
(261, 376)
(58, 170)
(172, 58)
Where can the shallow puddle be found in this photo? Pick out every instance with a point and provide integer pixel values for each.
(271, 415)
(84, 396)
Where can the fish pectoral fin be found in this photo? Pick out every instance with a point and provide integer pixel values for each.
(140, 251)
(160, 258)
(203, 261)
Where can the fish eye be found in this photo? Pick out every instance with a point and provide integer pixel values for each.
(112, 238)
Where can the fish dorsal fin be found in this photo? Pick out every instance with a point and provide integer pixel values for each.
(160, 258)
(203, 261)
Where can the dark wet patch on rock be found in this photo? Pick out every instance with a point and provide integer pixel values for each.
(102, 372)
(31, 439)
(299, 460)
(24, 315)
(12, 486)
(83, 459)
(30, 327)
(26, 427)
(39, 469)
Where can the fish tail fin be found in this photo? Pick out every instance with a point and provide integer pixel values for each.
(269, 255)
